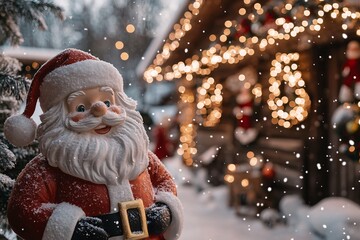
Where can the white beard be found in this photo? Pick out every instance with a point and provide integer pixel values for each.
(109, 159)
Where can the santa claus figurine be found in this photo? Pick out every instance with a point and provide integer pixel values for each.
(350, 87)
(95, 177)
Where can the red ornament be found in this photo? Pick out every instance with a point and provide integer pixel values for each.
(268, 172)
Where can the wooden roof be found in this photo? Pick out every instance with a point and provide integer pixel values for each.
(210, 20)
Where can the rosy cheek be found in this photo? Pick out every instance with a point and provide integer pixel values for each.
(78, 117)
(115, 109)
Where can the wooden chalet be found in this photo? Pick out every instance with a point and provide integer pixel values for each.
(212, 45)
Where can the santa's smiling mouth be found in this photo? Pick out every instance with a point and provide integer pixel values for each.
(102, 129)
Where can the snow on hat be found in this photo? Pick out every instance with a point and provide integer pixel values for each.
(69, 71)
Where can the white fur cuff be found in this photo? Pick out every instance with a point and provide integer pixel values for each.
(175, 228)
(62, 222)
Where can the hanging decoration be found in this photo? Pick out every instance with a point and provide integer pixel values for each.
(350, 88)
(242, 84)
(346, 122)
(209, 100)
(346, 118)
(288, 100)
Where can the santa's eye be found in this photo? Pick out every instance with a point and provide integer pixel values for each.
(80, 108)
(107, 103)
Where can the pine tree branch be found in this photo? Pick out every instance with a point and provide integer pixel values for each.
(7, 158)
(11, 31)
(15, 86)
(9, 65)
(6, 186)
(43, 6)
(32, 11)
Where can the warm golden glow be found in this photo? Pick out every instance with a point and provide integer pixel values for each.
(253, 161)
(229, 178)
(292, 107)
(250, 154)
(180, 29)
(229, 47)
(124, 56)
(130, 28)
(119, 45)
(187, 143)
(228, 23)
(209, 101)
(233, 53)
(231, 167)
(212, 37)
(35, 65)
(245, 182)
(242, 11)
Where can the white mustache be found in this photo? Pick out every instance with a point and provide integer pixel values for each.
(89, 123)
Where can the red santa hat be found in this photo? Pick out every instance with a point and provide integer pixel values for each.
(69, 71)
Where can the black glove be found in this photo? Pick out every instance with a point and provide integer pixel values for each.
(89, 228)
(158, 218)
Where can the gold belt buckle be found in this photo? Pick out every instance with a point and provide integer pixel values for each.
(128, 234)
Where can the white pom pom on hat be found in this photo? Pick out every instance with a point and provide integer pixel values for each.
(20, 130)
(69, 71)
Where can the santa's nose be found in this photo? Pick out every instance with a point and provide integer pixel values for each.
(98, 109)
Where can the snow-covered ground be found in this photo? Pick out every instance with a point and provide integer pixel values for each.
(208, 217)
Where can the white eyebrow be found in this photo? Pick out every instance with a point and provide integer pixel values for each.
(75, 95)
(107, 89)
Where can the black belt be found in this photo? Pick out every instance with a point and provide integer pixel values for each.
(130, 221)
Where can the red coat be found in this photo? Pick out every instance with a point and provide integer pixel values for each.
(40, 187)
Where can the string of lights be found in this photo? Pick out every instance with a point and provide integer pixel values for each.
(288, 99)
(255, 29)
(209, 102)
(294, 20)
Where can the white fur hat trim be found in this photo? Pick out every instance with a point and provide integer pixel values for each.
(62, 81)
